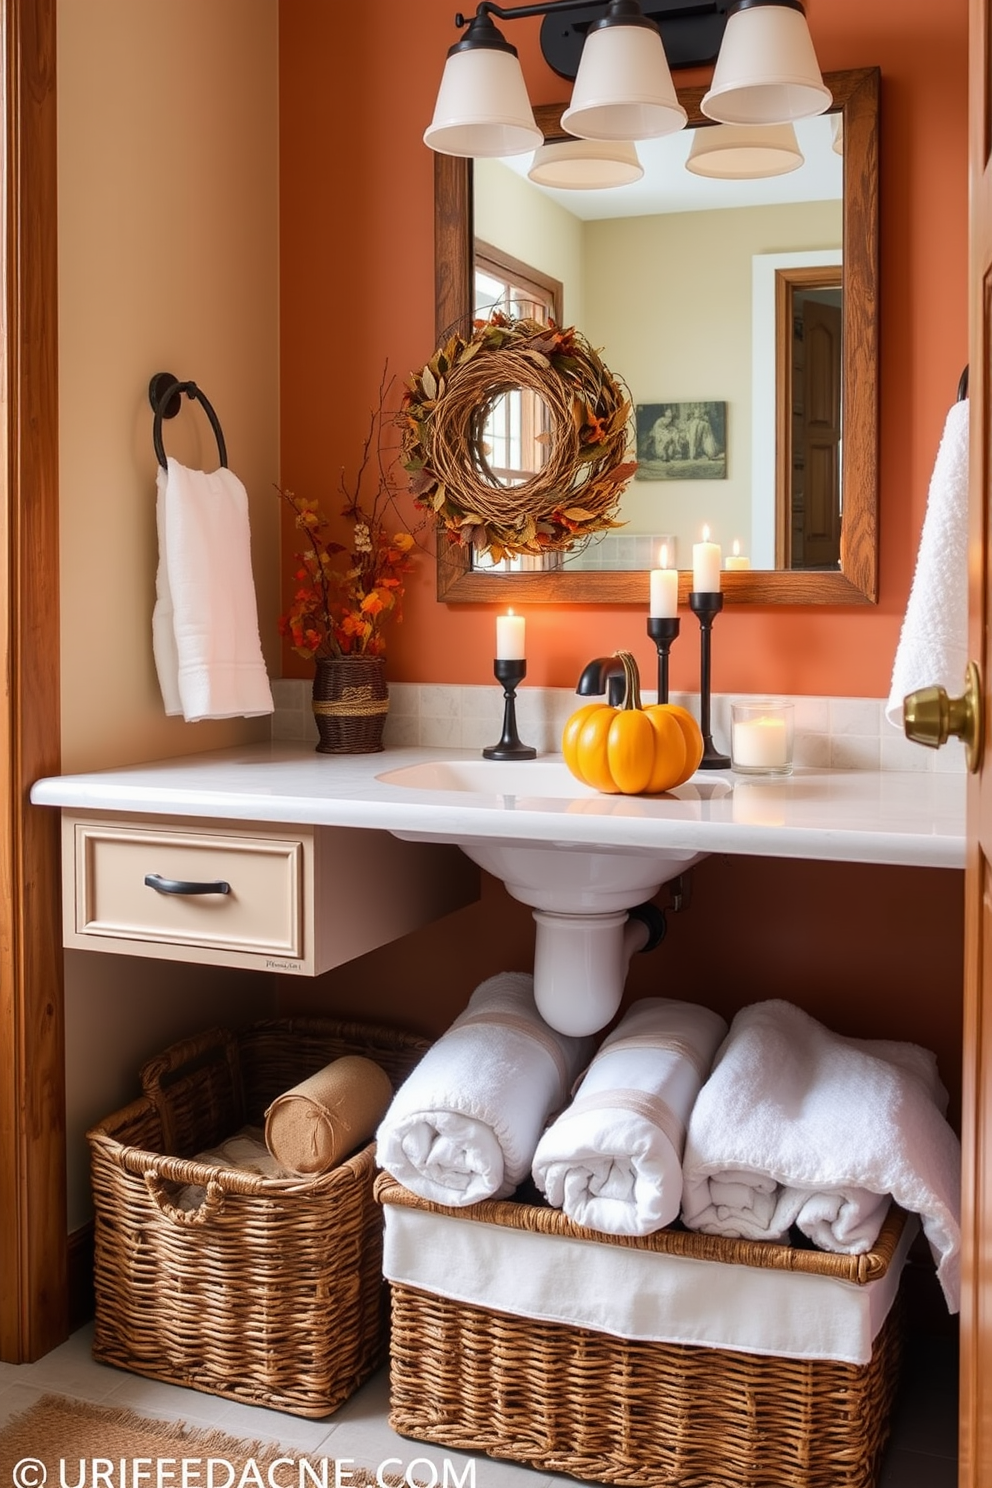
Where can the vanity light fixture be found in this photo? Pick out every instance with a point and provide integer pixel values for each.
(586, 165)
(623, 87)
(617, 52)
(767, 72)
(739, 152)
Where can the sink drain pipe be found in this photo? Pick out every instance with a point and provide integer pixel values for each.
(581, 961)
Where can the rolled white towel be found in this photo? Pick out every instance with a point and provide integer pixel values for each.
(464, 1125)
(799, 1126)
(613, 1159)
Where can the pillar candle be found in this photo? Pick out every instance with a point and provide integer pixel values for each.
(510, 637)
(664, 589)
(706, 565)
(737, 559)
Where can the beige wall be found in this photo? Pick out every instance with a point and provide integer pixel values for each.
(168, 261)
(669, 300)
(511, 215)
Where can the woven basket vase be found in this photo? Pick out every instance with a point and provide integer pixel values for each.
(350, 703)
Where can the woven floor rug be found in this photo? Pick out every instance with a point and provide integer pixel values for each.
(61, 1443)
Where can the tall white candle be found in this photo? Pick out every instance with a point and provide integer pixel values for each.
(737, 559)
(510, 630)
(706, 565)
(664, 589)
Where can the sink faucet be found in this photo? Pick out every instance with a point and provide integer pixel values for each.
(603, 674)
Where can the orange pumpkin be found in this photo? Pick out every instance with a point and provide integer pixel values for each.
(632, 750)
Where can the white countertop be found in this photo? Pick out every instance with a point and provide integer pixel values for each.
(915, 819)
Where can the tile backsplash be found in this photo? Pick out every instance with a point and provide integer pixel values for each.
(830, 732)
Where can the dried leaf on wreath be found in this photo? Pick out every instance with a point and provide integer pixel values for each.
(429, 382)
(421, 480)
(620, 473)
(469, 352)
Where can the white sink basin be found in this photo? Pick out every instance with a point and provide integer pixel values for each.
(580, 895)
(493, 777)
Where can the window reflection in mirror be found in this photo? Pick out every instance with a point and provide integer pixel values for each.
(512, 443)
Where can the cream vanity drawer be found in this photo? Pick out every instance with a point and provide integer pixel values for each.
(276, 898)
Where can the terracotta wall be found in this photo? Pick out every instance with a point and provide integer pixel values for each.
(357, 89)
(831, 937)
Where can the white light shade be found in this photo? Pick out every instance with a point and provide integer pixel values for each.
(482, 106)
(744, 152)
(767, 72)
(586, 165)
(623, 89)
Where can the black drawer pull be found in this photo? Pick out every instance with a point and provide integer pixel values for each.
(183, 886)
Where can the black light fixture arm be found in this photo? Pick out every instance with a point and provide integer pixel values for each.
(630, 10)
(691, 30)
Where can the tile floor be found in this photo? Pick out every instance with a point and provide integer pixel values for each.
(922, 1453)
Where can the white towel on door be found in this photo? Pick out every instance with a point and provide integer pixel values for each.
(933, 642)
(613, 1159)
(205, 623)
(800, 1126)
(464, 1125)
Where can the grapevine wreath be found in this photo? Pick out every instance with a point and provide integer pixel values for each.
(444, 412)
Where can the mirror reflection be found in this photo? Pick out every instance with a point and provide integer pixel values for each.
(718, 301)
(780, 524)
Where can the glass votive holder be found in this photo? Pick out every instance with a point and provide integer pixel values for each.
(761, 733)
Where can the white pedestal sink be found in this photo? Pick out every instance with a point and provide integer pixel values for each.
(580, 895)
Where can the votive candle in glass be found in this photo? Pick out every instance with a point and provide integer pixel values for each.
(761, 735)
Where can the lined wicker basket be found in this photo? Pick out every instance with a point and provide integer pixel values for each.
(571, 1400)
(270, 1292)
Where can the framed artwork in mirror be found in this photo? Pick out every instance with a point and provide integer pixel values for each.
(852, 576)
(681, 441)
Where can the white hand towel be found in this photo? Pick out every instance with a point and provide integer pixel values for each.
(464, 1125)
(798, 1125)
(933, 642)
(205, 624)
(613, 1159)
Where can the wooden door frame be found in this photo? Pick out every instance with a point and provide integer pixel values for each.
(787, 281)
(33, 1309)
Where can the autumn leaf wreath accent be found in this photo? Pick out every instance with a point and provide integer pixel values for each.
(571, 490)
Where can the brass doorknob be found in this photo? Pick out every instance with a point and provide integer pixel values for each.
(930, 717)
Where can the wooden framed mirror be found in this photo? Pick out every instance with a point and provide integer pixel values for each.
(854, 580)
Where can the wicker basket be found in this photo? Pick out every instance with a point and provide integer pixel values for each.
(570, 1400)
(271, 1292)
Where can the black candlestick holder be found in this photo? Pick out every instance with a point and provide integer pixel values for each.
(663, 631)
(510, 674)
(706, 607)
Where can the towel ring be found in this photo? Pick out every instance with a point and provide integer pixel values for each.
(963, 386)
(165, 395)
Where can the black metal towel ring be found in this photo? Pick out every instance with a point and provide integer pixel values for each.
(165, 395)
(963, 386)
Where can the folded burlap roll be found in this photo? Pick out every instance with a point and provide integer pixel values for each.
(313, 1126)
